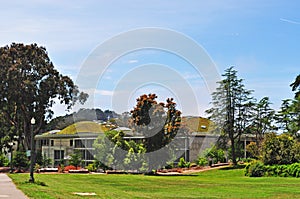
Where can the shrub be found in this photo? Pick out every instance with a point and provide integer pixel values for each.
(183, 164)
(202, 161)
(20, 160)
(76, 158)
(247, 160)
(217, 155)
(294, 170)
(170, 165)
(253, 150)
(281, 149)
(37, 167)
(91, 167)
(255, 169)
(3, 161)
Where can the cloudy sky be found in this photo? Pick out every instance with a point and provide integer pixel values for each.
(260, 38)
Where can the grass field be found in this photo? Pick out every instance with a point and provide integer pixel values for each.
(226, 183)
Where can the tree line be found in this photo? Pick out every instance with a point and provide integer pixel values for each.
(236, 112)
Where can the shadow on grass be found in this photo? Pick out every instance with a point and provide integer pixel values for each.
(239, 166)
(36, 183)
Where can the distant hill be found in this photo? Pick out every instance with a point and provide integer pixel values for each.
(62, 122)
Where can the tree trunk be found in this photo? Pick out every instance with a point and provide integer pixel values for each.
(233, 156)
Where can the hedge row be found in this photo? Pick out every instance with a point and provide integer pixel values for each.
(258, 169)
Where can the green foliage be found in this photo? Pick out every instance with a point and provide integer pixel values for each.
(296, 86)
(3, 160)
(247, 160)
(253, 150)
(158, 122)
(84, 126)
(91, 167)
(215, 154)
(280, 149)
(20, 160)
(288, 116)
(169, 165)
(239, 151)
(262, 118)
(43, 160)
(113, 151)
(36, 167)
(255, 169)
(258, 169)
(75, 158)
(202, 161)
(183, 164)
(46, 161)
(231, 103)
(29, 87)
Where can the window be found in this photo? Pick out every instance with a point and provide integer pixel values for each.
(89, 155)
(89, 143)
(71, 142)
(44, 142)
(52, 142)
(58, 154)
(79, 144)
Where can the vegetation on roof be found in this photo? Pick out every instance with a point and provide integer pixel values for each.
(197, 124)
(194, 124)
(82, 127)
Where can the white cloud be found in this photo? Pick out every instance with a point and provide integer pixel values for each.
(132, 61)
(93, 92)
(289, 21)
(104, 92)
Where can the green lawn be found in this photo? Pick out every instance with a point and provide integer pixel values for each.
(226, 183)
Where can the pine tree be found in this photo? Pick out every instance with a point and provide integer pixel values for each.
(230, 103)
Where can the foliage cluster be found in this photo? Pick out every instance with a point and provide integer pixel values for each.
(280, 149)
(202, 161)
(42, 159)
(276, 149)
(29, 87)
(258, 169)
(113, 151)
(3, 160)
(215, 154)
(235, 113)
(183, 163)
(75, 158)
(20, 160)
(158, 122)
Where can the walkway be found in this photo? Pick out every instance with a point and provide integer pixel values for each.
(8, 188)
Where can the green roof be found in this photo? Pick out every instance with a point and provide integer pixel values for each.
(84, 127)
(197, 124)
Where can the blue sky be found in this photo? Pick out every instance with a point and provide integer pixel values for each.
(260, 38)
